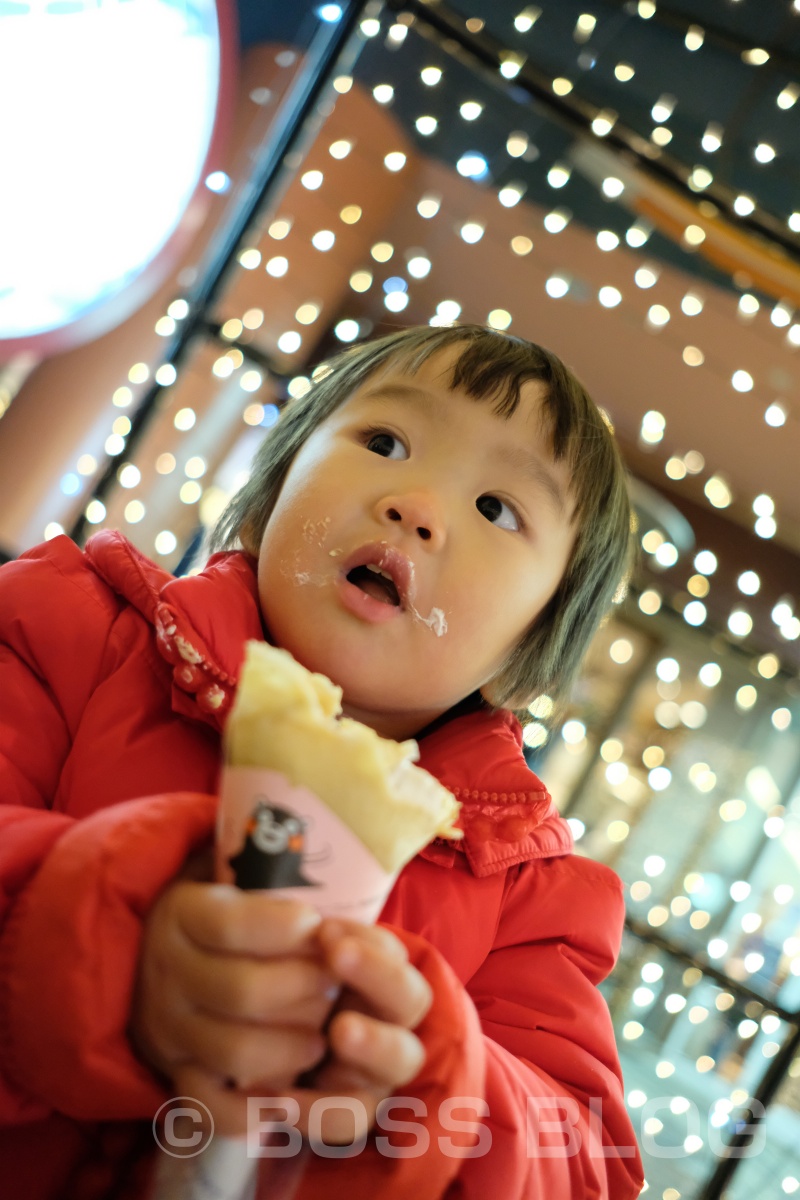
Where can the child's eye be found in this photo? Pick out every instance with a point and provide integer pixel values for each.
(496, 511)
(385, 444)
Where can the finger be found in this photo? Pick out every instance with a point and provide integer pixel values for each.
(226, 919)
(250, 1053)
(292, 991)
(388, 1054)
(395, 990)
(333, 930)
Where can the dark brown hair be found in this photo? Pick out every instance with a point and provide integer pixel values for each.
(491, 366)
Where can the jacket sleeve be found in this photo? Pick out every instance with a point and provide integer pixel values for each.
(521, 1093)
(72, 893)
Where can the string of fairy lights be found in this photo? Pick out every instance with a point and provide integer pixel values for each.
(685, 686)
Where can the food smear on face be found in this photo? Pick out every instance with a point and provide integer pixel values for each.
(436, 620)
(317, 531)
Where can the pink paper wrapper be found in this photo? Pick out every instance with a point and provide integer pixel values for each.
(276, 835)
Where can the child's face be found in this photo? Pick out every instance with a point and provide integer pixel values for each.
(464, 508)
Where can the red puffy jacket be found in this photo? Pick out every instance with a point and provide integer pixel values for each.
(114, 683)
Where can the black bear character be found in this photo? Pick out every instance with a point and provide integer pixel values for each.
(272, 854)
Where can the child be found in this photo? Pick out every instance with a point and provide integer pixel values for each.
(438, 526)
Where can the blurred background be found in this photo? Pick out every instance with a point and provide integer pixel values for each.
(619, 181)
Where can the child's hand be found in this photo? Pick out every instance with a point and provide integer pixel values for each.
(232, 982)
(372, 1049)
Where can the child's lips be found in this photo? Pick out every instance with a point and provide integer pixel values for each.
(394, 563)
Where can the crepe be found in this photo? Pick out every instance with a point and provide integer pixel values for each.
(287, 719)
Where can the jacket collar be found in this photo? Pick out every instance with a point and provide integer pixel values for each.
(202, 623)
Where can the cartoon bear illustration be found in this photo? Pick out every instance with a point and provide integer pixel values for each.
(272, 854)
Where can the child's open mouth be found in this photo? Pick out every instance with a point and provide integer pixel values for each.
(375, 582)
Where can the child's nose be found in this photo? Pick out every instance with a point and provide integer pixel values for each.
(418, 513)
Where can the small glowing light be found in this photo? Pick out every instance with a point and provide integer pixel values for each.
(604, 122)
(612, 187)
(573, 732)
(95, 512)
(640, 890)
(382, 251)
(712, 138)
(499, 318)
(793, 336)
(542, 707)
(430, 76)
(675, 468)
(663, 108)
(658, 915)
(624, 72)
(471, 232)
(693, 357)
(396, 301)
(70, 484)
(166, 375)
(607, 239)
(692, 304)
(470, 110)
(419, 266)
(394, 161)
(122, 397)
(781, 719)
(782, 612)
(426, 125)
(429, 206)
(637, 234)
(773, 827)
(139, 373)
(277, 266)
(611, 750)
(695, 613)
(114, 444)
(361, 281)
(653, 756)
(748, 582)
(775, 415)
(768, 666)
(280, 229)
(636, 1098)
(557, 220)
(250, 381)
(521, 245)
(705, 562)
(698, 585)
(129, 476)
(609, 297)
(178, 309)
(448, 310)
(190, 492)
(472, 165)
(718, 493)
(666, 555)
(329, 12)
(383, 93)
(632, 1030)
(525, 20)
(742, 381)
(556, 286)
(165, 326)
(86, 464)
(781, 315)
(312, 180)
(788, 97)
(510, 195)
(223, 368)
(558, 175)
(700, 179)
(650, 602)
(642, 996)
(184, 419)
(231, 329)
(347, 330)
(165, 464)
(766, 527)
(746, 696)
(340, 148)
(695, 36)
(659, 779)
(694, 235)
(668, 669)
(218, 182)
(646, 9)
(134, 512)
(756, 57)
(764, 153)
(654, 865)
(744, 205)
(306, 314)
(299, 386)
(646, 277)
(165, 542)
(323, 239)
(658, 315)
(562, 86)
(740, 623)
(616, 773)
(534, 735)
